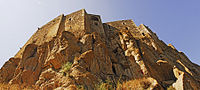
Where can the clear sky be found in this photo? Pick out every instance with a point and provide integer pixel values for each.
(174, 21)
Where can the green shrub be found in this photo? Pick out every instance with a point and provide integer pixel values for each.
(81, 87)
(66, 67)
(107, 85)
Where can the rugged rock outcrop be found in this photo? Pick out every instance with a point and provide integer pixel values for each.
(79, 50)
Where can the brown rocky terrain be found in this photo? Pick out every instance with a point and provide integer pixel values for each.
(79, 51)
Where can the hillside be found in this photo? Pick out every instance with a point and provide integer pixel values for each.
(79, 51)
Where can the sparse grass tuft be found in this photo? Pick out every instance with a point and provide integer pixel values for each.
(137, 84)
(107, 85)
(15, 87)
(171, 88)
(81, 87)
(66, 67)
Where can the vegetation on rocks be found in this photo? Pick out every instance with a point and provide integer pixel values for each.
(66, 67)
(171, 88)
(107, 85)
(15, 87)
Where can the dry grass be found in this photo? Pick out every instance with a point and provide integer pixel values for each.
(171, 88)
(14, 87)
(137, 84)
(107, 85)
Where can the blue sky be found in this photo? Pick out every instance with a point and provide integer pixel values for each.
(174, 21)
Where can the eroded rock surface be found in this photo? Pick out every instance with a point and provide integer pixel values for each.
(117, 51)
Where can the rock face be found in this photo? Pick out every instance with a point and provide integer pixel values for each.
(115, 51)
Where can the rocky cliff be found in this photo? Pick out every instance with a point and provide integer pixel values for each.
(78, 50)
